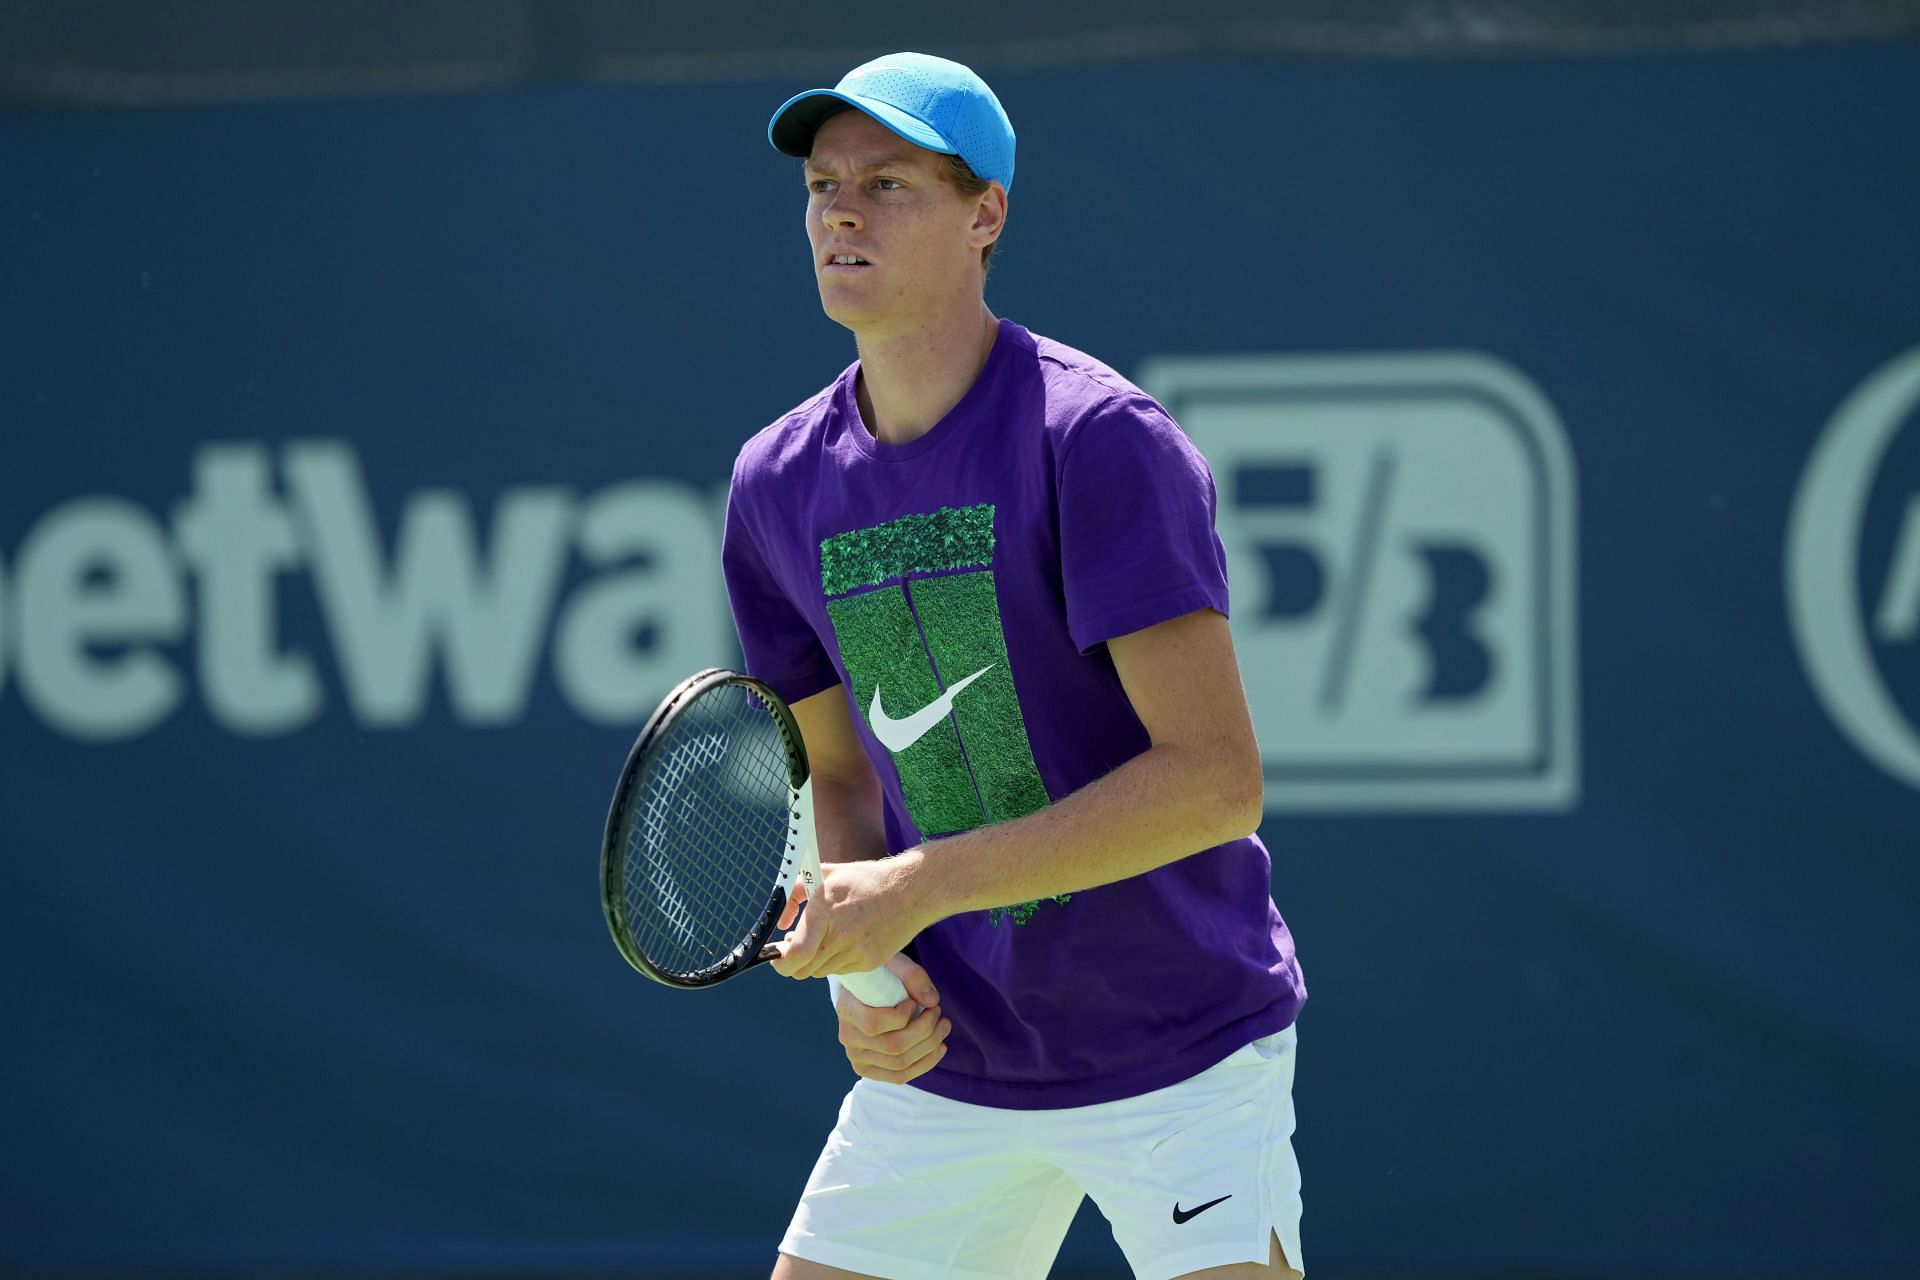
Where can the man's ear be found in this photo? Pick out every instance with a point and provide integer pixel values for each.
(989, 216)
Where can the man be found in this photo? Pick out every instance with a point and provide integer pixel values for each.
(981, 566)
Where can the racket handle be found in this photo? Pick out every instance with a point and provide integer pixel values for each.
(877, 987)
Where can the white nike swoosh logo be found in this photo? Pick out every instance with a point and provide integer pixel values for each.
(898, 735)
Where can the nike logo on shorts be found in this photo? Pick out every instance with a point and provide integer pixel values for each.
(1181, 1215)
(898, 735)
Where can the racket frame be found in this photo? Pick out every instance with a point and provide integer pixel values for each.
(752, 949)
(800, 860)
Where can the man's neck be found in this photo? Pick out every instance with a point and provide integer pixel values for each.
(911, 380)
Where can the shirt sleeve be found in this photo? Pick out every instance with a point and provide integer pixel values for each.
(1137, 508)
(777, 642)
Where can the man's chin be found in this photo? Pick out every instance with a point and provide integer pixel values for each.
(845, 311)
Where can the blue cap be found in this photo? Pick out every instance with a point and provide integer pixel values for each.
(931, 102)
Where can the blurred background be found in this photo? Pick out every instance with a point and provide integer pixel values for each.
(369, 380)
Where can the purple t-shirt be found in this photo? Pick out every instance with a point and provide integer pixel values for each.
(961, 587)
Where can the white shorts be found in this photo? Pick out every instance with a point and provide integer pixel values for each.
(912, 1186)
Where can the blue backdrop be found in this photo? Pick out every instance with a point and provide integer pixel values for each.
(358, 477)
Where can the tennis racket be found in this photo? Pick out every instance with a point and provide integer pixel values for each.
(711, 825)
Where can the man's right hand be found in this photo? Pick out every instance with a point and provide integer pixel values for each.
(900, 1043)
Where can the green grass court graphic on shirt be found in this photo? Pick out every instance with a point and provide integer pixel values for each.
(950, 538)
(914, 611)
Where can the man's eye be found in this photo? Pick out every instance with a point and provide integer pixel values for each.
(888, 184)
(820, 185)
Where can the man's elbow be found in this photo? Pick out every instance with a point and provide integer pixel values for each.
(1242, 799)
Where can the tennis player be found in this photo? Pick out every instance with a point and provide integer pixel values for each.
(982, 568)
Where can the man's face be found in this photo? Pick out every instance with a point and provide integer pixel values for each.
(875, 197)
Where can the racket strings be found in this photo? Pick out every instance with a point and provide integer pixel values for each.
(706, 831)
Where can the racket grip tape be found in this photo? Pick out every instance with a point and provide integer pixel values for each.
(877, 987)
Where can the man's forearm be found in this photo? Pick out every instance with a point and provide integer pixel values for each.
(847, 818)
(1157, 808)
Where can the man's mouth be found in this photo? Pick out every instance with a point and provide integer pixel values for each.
(847, 260)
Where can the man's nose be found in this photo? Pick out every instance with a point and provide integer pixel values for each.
(842, 215)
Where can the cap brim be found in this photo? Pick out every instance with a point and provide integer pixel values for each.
(792, 128)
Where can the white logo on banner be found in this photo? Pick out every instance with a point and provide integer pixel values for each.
(100, 586)
(1400, 535)
(1823, 569)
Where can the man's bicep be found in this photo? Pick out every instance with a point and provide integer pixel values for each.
(1184, 683)
(833, 746)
